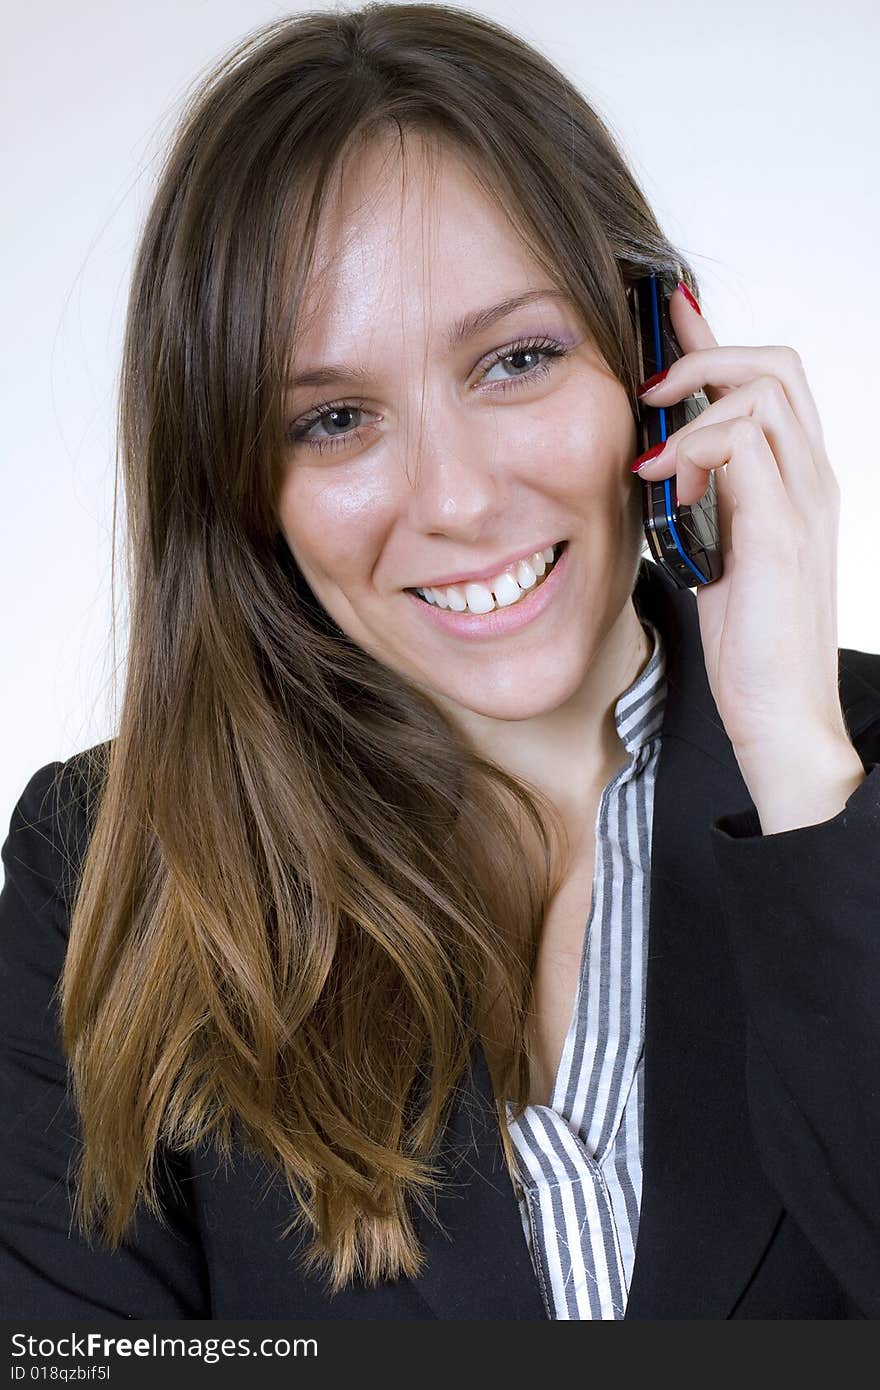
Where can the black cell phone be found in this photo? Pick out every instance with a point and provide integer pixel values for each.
(684, 540)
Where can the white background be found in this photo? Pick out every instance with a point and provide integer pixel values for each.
(752, 128)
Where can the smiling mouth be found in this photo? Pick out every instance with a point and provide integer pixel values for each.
(507, 590)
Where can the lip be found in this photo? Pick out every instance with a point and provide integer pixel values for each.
(491, 573)
(500, 621)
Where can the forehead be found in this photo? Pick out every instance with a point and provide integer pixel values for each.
(406, 238)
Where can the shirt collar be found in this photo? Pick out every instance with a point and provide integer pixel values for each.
(638, 713)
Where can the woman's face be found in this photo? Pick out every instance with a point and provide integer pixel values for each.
(445, 457)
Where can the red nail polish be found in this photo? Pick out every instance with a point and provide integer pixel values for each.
(651, 454)
(689, 297)
(651, 382)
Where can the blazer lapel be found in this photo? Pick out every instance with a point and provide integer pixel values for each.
(481, 1268)
(707, 1210)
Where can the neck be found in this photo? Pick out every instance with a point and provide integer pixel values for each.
(571, 752)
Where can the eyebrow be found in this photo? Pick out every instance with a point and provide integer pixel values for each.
(463, 328)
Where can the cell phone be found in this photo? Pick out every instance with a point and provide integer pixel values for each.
(684, 540)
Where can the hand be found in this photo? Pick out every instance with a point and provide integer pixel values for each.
(769, 624)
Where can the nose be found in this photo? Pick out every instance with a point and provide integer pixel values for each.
(455, 481)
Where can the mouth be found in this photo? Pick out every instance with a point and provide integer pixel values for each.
(505, 591)
(475, 611)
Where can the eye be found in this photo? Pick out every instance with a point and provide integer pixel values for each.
(336, 415)
(534, 348)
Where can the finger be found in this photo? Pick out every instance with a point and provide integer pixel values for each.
(733, 366)
(725, 503)
(764, 401)
(750, 483)
(692, 333)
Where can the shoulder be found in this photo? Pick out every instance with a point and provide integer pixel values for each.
(48, 833)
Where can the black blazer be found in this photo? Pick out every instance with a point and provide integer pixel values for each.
(761, 1193)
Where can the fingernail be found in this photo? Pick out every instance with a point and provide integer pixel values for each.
(651, 382)
(689, 297)
(644, 458)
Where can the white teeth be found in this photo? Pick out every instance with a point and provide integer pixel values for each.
(525, 575)
(479, 598)
(501, 592)
(457, 601)
(506, 590)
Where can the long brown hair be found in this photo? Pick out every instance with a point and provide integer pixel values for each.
(302, 887)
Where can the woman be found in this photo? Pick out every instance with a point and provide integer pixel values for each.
(347, 929)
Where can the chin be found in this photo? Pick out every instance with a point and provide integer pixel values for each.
(512, 711)
(526, 697)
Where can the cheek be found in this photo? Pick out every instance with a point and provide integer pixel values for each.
(581, 443)
(334, 525)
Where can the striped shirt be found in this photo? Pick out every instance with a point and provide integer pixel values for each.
(580, 1158)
